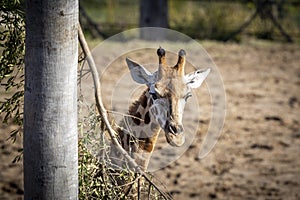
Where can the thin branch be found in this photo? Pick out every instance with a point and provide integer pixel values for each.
(149, 191)
(139, 189)
(243, 26)
(282, 31)
(125, 115)
(104, 114)
(261, 10)
(90, 22)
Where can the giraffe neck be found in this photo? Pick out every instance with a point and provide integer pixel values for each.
(140, 131)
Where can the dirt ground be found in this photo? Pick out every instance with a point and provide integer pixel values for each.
(258, 153)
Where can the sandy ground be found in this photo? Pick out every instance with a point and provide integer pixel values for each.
(11, 175)
(257, 154)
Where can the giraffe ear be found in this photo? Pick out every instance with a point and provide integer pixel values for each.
(196, 78)
(139, 74)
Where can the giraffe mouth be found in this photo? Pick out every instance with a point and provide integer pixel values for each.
(174, 138)
(174, 134)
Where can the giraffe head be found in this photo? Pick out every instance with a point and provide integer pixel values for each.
(169, 89)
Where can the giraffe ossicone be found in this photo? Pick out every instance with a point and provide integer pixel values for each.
(160, 107)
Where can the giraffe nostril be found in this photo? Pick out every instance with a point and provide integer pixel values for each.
(172, 129)
(175, 129)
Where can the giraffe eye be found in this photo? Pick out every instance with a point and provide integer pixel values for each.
(188, 95)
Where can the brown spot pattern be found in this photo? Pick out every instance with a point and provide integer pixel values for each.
(147, 118)
(136, 119)
(144, 101)
(146, 144)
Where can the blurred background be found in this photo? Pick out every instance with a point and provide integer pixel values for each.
(200, 19)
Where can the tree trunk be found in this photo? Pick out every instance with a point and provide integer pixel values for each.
(50, 107)
(153, 13)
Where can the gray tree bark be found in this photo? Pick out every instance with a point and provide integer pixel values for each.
(50, 107)
(153, 13)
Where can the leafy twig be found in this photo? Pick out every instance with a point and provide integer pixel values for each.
(104, 113)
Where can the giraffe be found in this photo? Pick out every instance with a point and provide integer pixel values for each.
(160, 107)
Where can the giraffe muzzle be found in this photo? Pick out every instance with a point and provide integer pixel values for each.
(175, 135)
